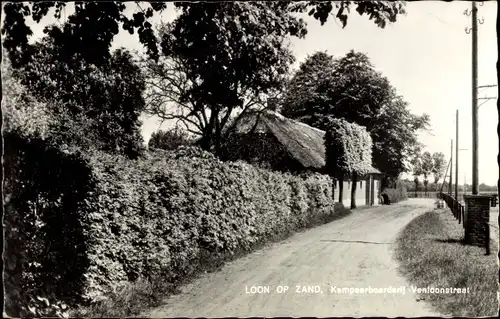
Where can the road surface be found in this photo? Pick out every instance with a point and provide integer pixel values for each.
(353, 252)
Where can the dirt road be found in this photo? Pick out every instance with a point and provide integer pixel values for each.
(354, 252)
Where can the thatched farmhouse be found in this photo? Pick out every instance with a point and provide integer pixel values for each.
(267, 138)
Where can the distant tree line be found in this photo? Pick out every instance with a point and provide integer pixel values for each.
(427, 165)
(410, 187)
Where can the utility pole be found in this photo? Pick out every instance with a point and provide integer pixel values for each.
(475, 87)
(475, 139)
(475, 190)
(451, 169)
(456, 159)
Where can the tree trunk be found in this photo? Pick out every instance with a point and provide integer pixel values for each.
(217, 146)
(353, 190)
(333, 189)
(204, 144)
(341, 188)
(217, 138)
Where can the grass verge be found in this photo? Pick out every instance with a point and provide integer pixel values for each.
(431, 254)
(137, 297)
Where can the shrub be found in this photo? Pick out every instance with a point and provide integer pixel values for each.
(44, 238)
(184, 203)
(75, 104)
(396, 194)
(109, 220)
(348, 148)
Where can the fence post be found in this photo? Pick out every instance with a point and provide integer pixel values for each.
(488, 240)
(464, 211)
(455, 208)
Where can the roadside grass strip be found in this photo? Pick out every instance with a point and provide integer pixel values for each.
(431, 254)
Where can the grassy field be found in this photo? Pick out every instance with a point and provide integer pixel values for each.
(431, 254)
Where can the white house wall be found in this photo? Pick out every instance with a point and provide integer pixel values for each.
(367, 192)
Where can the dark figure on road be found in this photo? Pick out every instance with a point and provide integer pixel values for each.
(385, 199)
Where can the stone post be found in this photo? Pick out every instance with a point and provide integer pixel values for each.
(477, 210)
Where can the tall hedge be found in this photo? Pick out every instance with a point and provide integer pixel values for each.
(348, 147)
(161, 214)
(44, 226)
(119, 219)
(397, 194)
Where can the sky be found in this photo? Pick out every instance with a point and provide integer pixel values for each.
(427, 57)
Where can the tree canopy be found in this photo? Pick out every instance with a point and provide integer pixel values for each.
(426, 167)
(348, 148)
(439, 166)
(104, 101)
(224, 57)
(170, 139)
(218, 59)
(89, 31)
(93, 25)
(349, 87)
(427, 164)
(21, 112)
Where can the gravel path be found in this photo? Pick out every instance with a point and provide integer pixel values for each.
(354, 252)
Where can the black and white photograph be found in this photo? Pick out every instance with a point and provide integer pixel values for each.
(212, 159)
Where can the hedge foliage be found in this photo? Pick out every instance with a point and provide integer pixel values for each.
(348, 147)
(45, 247)
(107, 220)
(396, 194)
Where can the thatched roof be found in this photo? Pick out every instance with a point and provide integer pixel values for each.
(303, 142)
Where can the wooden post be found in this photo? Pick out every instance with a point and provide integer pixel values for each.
(475, 186)
(456, 160)
(451, 170)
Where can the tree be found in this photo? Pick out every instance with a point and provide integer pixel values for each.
(94, 105)
(379, 11)
(246, 59)
(349, 87)
(219, 61)
(93, 25)
(348, 152)
(88, 33)
(427, 167)
(21, 112)
(439, 166)
(305, 97)
(416, 165)
(170, 139)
